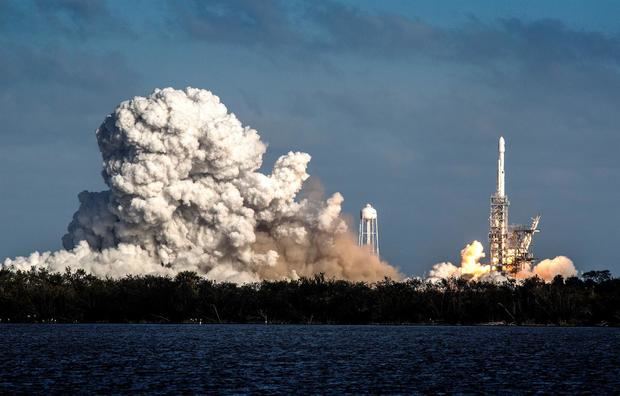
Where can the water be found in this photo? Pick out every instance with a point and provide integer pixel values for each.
(307, 359)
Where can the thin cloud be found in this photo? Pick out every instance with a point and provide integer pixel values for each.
(330, 27)
(74, 19)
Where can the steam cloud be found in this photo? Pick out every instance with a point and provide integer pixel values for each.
(471, 268)
(550, 268)
(185, 194)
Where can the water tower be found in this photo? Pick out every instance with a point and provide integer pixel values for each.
(369, 229)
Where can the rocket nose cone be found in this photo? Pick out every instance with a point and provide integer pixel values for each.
(502, 144)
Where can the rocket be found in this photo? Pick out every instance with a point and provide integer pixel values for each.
(501, 189)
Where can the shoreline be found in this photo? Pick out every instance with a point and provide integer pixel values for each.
(490, 325)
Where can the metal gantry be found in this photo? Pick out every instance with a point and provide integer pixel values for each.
(509, 245)
(498, 232)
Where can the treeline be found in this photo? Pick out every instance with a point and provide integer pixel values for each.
(74, 296)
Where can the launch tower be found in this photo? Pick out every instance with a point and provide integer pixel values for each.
(369, 229)
(509, 245)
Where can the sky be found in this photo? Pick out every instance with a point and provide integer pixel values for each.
(400, 103)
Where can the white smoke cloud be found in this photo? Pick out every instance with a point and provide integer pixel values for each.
(550, 268)
(472, 269)
(185, 194)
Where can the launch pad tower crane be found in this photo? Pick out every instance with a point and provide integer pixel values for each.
(509, 245)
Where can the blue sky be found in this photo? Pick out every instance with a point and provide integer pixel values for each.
(400, 104)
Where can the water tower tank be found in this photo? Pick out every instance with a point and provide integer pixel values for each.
(369, 229)
(368, 212)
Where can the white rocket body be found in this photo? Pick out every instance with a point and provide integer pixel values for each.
(498, 232)
(501, 186)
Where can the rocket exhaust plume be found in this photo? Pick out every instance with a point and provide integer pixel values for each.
(472, 269)
(185, 194)
(549, 269)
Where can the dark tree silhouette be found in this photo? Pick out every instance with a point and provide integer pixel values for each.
(75, 296)
(597, 276)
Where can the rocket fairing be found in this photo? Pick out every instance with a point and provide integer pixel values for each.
(501, 186)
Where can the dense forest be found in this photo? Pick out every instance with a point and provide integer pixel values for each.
(74, 296)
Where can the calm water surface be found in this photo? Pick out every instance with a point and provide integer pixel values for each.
(307, 359)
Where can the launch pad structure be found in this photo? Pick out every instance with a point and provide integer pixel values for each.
(509, 245)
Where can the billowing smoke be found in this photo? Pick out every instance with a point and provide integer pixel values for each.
(185, 194)
(550, 268)
(472, 269)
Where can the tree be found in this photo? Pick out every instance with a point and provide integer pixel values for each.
(597, 276)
